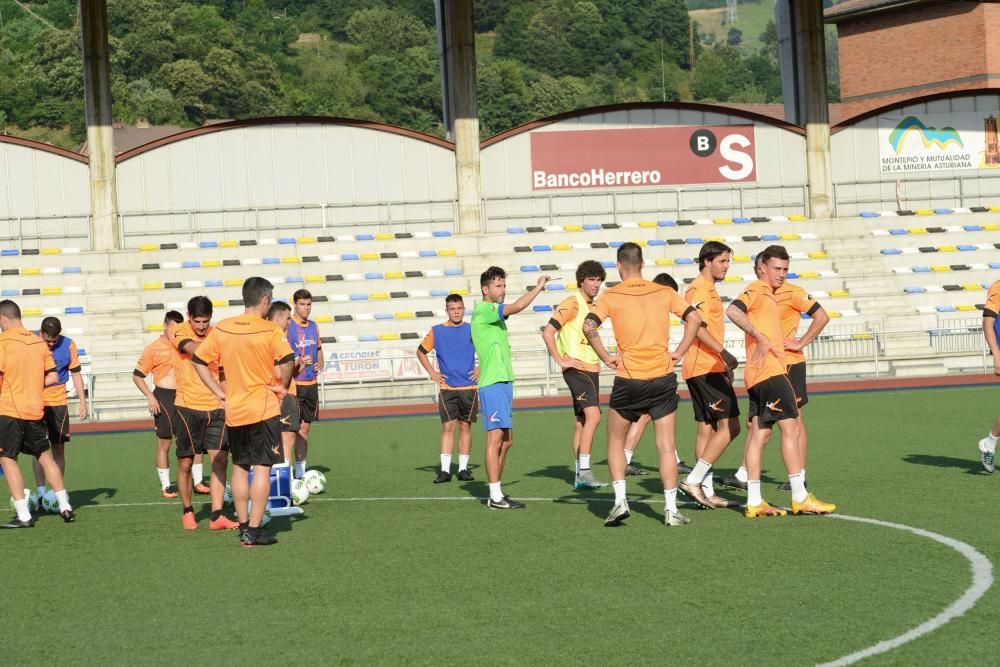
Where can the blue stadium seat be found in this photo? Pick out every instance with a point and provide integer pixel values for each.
(294, 279)
(770, 237)
(741, 220)
(365, 237)
(71, 269)
(214, 283)
(655, 242)
(368, 338)
(792, 275)
(208, 244)
(943, 211)
(683, 260)
(965, 247)
(542, 308)
(286, 240)
(995, 265)
(615, 244)
(10, 292)
(554, 287)
(73, 310)
(383, 316)
(891, 251)
(591, 226)
(10, 252)
(359, 297)
(439, 292)
(973, 228)
(914, 290)
(428, 253)
(441, 233)
(515, 230)
(946, 309)
(191, 265)
(896, 231)
(542, 247)
(529, 268)
(666, 223)
(82, 351)
(870, 214)
(454, 272)
(271, 260)
(922, 269)
(694, 241)
(374, 275)
(608, 264)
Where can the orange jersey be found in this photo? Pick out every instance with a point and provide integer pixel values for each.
(25, 359)
(640, 312)
(564, 314)
(67, 362)
(992, 306)
(700, 359)
(792, 302)
(758, 302)
(191, 391)
(161, 359)
(248, 347)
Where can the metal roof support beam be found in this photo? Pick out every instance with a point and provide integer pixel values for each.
(105, 233)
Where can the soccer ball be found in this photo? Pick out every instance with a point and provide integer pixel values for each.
(315, 481)
(300, 492)
(50, 503)
(227, 498)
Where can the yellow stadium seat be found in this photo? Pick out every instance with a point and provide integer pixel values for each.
(389, 336)
(51, 251)
(664, 261)
(640, 242)
(573, 228)
(916, 231)
(233, 282)
(211, 263)
(818, 254)
(405, 315)
(31, 312)
(379, 296)
(742, 259)
(153, 328)
(230, 243)
(315, 279)
(862, 336)
(833, 314)
(34, 271)
(723, 221)
(647, 224)
(790, 237)
(370, 255)
(992, 228)
(323, 319)
(145, 247)
(149, 286)
(219, 303)
(924, 211)
(972, 287)
(797, 218)
(291, 260)
(838, 292)
(305, 239)
(394, 275)
(384, 236)
(561, 246)
(965, 307)
(947, 248)
(461, 291)
(809, 274)
(995, 209)
(733, 279)
(940, 268)
(52, 290)
(717, 239)
(571, 286)
(447, 252)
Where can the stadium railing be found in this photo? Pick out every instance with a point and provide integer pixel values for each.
(914, 192)
(29, 232)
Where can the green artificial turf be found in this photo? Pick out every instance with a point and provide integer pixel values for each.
(365, 579)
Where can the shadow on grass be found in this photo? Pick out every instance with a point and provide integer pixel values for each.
(560, 473)
(84, 497)
(970, 466)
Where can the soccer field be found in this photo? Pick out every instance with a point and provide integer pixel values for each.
(388, 568)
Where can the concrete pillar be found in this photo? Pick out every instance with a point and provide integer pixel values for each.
(802, 47)
(456, 37)
(104, 224)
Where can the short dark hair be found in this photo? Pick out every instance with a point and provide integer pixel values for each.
(491, 274)
(630, 254)
(255, 289)
(301, 294)
(10, 309)
(173, 316)
(710, 251)
(200, 306)
(666, 280)
(51, 326)
(772, 252)
(277, 307)
(454, 298)
(590, 269)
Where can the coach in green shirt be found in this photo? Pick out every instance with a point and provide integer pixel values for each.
(496, 374)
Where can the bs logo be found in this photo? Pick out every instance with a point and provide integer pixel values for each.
(703, 144)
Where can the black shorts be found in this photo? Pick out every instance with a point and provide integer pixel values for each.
(585, 388)
(22, 435)
(308, 395)
(56, 418)
(290, 421)
(713, 398)
(797, 376)
(197, 431)
(772, 401)
(656, 397)
(164, 422)
(256, 444)
(460, 404)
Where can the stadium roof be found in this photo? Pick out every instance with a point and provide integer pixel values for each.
(853, 8)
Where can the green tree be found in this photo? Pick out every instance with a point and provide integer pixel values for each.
(735, 37)
(386, 31)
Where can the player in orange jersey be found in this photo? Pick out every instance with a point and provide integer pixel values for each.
(991, 309)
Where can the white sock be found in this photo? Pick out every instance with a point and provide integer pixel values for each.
(41, 490)
(670, 498)
(22, 509)
(699, 471)
(196, 473)
(991, 442)
(463, 461)
(619, 486)
(584, 461)
(287, 463)
(708, 484)
(300, 468)
(63, 498)
(446, 462)
(164, 475)
(741, 474)
(628, 456)
(496, 495)
(803, 473)
(677, 455)
(753, 492)
(798, 487)
(576, 467)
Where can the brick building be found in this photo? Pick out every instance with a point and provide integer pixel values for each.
(893, 50)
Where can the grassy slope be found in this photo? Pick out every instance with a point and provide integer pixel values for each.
(448, 581)
(751, 18)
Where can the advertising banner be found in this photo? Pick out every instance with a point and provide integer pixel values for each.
(641, 157)
(371, 364)
(938, 141)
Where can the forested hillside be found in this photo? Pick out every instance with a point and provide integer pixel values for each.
(184, 62)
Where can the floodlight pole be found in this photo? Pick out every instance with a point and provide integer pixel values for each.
(104, 223)
(457, 47)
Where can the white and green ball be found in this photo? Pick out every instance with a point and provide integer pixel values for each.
(300, 492)
(50, 503)
(227, 498)
(315, 481)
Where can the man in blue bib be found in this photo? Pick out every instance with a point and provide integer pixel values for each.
(303, 337)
